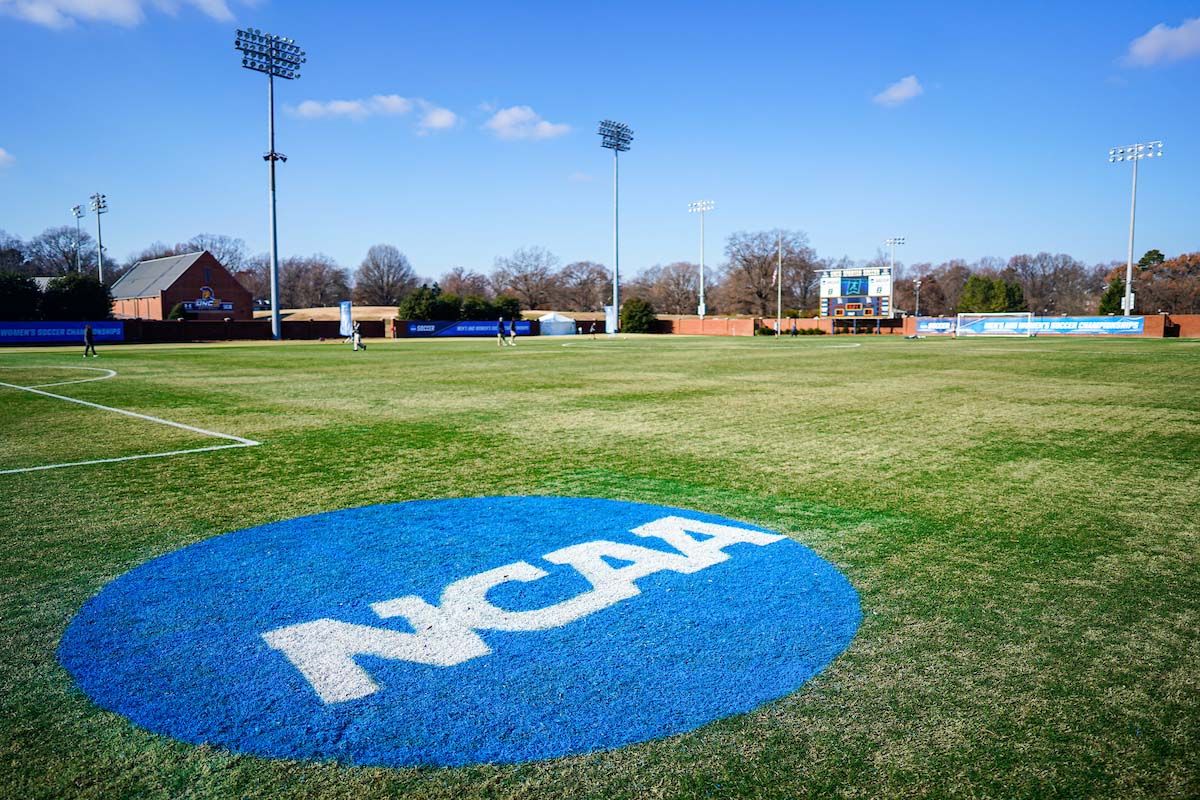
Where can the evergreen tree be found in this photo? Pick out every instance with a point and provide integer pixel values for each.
(19, 297)
(637, 316)
(1110, 301)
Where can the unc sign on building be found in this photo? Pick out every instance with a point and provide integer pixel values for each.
(461, 631)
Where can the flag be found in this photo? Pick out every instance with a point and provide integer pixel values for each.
(775, 276)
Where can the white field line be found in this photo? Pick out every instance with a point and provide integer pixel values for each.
(238, 441)
(112, 373)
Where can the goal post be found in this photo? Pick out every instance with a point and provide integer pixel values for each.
(999, 323)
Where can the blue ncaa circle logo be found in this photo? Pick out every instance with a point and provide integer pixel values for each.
(453, 632)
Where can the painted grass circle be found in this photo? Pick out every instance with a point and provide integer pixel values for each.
(464, 631)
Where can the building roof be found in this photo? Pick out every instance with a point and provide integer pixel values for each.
(148, 278)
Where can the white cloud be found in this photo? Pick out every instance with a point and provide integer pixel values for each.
(522, 122)
(435, 118)
(899, 92)
(378, 105)
(61, 14)
(6, 157)
(1162, 43)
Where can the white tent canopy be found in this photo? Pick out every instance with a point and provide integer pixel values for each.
(555, 324)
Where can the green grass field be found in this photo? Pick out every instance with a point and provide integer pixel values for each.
(1020, 518)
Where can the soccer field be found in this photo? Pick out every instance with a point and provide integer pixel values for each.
(1020, 519)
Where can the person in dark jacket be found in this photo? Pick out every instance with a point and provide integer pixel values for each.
(89, 342)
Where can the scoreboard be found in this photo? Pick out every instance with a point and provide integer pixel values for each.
(856, 292)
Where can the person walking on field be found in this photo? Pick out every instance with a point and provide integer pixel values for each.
(512, 333)
(356, 337)
(89, 342)
(500, 333)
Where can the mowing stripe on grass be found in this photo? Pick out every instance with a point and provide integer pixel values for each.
(239, 441)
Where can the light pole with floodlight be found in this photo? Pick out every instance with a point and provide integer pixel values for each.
(1134, 153)
(276, 57)
(99, 206)
(700, 207)
(917, 289)
(891, 243)
(615, 136)
(77, 211)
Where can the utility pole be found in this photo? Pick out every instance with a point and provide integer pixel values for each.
(700, 207)
(78, 212)
(276, 57)
(99, 206)
(615, 136)
(1134, 153)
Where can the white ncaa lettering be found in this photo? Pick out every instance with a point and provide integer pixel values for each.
(324, 650)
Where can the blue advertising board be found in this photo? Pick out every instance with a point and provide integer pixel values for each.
(465, 328)
(1049, 326)
(59, 332)
(461, 631)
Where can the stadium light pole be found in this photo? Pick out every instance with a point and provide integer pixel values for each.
(99, 206)
(276, 57)
(917, 289)
(615, 136)
(78, 212)
(1134, 153)
(891, 243)
(700, 207)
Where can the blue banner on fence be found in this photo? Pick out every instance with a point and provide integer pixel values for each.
(50, 332)
(466, 328)
(1050, 326)
(346, 326)
(930, 325)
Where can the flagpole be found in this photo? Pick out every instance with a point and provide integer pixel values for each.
(779, 289)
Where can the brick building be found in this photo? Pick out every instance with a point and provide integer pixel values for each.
(206, 289)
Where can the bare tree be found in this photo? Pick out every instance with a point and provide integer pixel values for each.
(384, 277)
(673, 289)
(463, 282)
(52, 252)
(1056, 284)
(529, 275)
(256, 276)
(230, 251)
(310, 281)
(12, 254)
(583, 286)
(951, 277)
(747, 278)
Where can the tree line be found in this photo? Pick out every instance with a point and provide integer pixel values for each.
(743, 282)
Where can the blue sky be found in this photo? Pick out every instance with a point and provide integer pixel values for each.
(467, 130)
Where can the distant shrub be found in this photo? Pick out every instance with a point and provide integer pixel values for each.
(76, 297)
(20, 297)
(637, 316)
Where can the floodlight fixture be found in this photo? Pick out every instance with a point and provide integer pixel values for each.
(99, 206)
(892, 244)
(276, 57)
(1134, 153)
(700, 207)
(615, 136)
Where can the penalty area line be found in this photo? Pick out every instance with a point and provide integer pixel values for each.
(237, 441)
